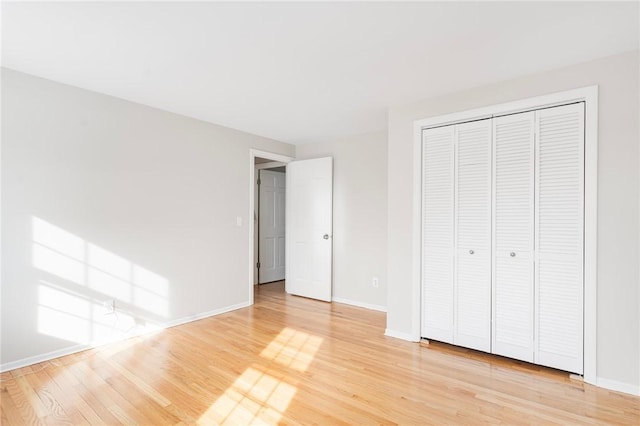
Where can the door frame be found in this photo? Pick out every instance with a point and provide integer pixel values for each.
(276, 158)
(589, 95)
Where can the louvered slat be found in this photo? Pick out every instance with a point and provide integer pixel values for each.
(513, 215)
(437, 233)
(472, 297)
(559, 224)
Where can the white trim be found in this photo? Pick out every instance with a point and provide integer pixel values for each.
(8, 366)
(416, 265)
(269, 156)
(591, 233)
(360, 304)
(522, 105)
(617, 386)
(270, 165)
(79, 348)
(401, 335)
(253, 153)
(196, 317)
(590, 96)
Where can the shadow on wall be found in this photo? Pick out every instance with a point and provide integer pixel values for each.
(89, 295)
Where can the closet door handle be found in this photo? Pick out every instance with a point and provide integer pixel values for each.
(471, 251)
(512, 254)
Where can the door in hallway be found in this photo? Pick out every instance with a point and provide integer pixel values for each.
(272, 226)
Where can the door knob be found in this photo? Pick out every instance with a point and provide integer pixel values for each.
(325, 236)
(512, 254)
(471, 251)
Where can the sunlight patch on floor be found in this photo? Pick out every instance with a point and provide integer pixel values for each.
(257, 397)
(292, 348)
(254, 398)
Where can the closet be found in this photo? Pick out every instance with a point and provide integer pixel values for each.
(502, 235)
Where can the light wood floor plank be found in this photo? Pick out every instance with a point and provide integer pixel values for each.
(290, 360)
(21, 402)
(40, 383)
(10, 413)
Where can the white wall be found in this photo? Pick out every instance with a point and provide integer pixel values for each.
(359, 216)
(107, 199)
(618, 321)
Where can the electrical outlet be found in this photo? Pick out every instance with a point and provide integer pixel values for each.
(374, 282)
(109, 306)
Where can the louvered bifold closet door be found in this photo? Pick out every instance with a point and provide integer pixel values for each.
(559, 224)
(472, 280)
(437, 233)
(513, 219)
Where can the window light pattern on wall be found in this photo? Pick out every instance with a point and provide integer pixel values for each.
(80, 276)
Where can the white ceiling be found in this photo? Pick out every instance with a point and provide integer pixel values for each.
(303, 72)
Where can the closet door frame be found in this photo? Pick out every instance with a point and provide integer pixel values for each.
(589, 95)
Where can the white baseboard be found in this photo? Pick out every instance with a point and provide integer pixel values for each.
(401, 335)
(83, 347)
(359, 304)
(614, 385)
(203, 315)
(44, 357)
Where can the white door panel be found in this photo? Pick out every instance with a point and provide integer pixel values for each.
(513, 306)
(472, 281)
(473, 300)
(271, 226)
(513, 218)
(559, 224)
(437, 294)
(309, 228)
(437, 233)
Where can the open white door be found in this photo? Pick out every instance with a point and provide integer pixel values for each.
(272, 226)
(309, 204)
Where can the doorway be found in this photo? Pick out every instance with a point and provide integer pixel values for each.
(258, 161)
(269, 231)
(309, 218)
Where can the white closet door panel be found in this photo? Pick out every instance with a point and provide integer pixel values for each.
(472, 297)
(473, 300)
(514, 173)
(438, 187)
(437, 302)
(473, 185)
(437, 233)
(559, 224)
(513, 306)
(513, 218)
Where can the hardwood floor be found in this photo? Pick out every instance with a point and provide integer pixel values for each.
(292, 360)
